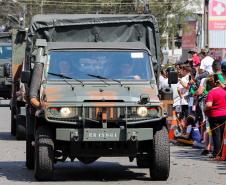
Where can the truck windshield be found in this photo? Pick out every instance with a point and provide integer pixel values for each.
(85, 65)
(5, 52)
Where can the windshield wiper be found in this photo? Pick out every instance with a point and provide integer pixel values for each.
(66, 77)
(101, 78)
(105, 78)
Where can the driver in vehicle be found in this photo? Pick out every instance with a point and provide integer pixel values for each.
(127, 72)
(61, 67)
(64, 67)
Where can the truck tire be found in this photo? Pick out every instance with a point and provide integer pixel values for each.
(20, 132)
(20, 127)
(87, 160)
(29, 153)
(44, 154)
(13, 123)
(160, 156)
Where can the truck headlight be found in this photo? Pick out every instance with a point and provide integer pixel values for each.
(142, 111)
(67, 112)
(62, 112)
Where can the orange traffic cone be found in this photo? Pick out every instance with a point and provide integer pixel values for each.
(172, 126)
(224, 145)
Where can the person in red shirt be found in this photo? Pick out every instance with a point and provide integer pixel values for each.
(216, 112)
(195, 58)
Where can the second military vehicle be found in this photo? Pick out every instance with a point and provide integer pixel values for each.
(17, 104)
(5, 65)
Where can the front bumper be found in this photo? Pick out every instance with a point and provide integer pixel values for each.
(103, 135)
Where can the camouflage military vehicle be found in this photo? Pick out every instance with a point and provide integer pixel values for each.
(93, 92)
(5, 65)
(17, 105)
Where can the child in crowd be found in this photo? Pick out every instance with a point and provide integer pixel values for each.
(188, 133)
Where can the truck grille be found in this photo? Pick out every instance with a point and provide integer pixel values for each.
(94, 114)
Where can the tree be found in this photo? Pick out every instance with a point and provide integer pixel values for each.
(9, 13)
(172, 11)
(171, 14)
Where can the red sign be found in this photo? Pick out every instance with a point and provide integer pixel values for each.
(217, 14)
(189, 35)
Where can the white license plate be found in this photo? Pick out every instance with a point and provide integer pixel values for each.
(101, 134)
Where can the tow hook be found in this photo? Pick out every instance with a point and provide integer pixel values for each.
(134, 136)
(74, 136)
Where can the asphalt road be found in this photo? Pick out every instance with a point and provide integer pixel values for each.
(187, 166)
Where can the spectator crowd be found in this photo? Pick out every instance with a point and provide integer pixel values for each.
(199, 101)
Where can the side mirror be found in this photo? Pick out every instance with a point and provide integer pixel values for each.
(25, 77)
(172, 77)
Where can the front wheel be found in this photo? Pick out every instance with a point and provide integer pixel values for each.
(44, 154)
(20, 127)
(87, 160)
(160, 157)
(29, 152)
(13, 123)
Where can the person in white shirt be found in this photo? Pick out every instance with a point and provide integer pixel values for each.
(206, 65)
(183, 88)
(163, 80)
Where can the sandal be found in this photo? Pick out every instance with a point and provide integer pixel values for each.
(205, 152)
(218, 158)
(210, 155)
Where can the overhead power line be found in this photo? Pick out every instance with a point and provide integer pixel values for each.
(99, 3)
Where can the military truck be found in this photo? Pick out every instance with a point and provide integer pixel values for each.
(18, 99)
(92, 86)
(5, 65)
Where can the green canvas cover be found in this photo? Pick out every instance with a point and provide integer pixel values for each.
(96, 28)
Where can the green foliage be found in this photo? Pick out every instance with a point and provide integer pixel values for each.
(174, 11)
(9, 13)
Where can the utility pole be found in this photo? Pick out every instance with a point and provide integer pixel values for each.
(146, 7)
(167, 33)
(173, 42)
(22, 18)
(206, 30)
(42, 3)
